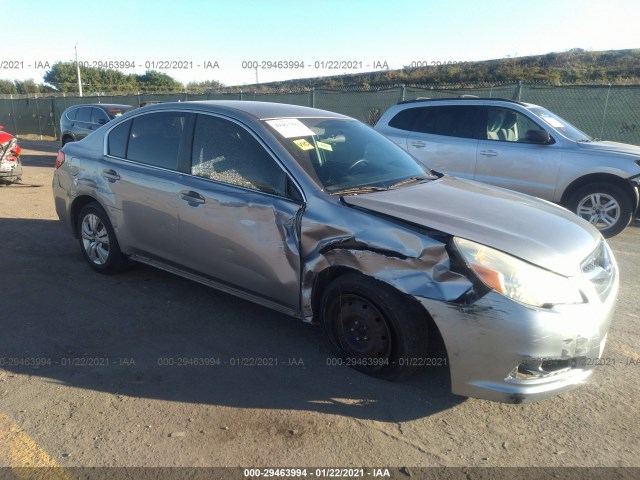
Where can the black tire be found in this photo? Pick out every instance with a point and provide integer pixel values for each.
(98, 241)
(374, 328)
(589, 201)
(66, 140)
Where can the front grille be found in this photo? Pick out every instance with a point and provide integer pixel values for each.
(599, 270)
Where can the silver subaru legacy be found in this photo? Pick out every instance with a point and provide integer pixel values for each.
(316, 215)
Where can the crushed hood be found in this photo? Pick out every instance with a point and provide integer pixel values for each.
(529, 228)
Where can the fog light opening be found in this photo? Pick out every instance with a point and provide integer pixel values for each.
(535, 369)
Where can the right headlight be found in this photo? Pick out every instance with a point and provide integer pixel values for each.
(516, 279)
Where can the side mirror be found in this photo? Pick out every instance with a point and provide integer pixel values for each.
(1, 127)
(540, 137)
(101, 121)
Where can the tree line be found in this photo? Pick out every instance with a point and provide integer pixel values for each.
(62, 77)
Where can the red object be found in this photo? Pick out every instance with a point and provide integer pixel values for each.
(4, 136)
(59, 159)
(15, 152)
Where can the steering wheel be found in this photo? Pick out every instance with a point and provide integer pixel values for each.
(357, 163)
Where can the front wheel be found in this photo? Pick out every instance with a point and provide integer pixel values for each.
(98, 241)
(604, 205)
(374, 328)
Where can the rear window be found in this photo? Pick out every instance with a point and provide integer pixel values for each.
(71, 114)
(405, 119)
(118, 138)
(155, 139)
(114, 112)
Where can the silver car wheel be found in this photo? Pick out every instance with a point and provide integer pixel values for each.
(95, 239)
(600, 209)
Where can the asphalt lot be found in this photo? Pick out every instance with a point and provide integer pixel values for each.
(148, 369)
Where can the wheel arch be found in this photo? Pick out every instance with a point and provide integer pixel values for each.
(66, 136)
(624, 185)
(325, 277)
(76, 207)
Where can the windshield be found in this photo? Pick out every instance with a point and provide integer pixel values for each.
(561, 125)
(345, 156)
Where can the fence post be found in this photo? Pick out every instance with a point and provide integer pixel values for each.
(240, 94)
(604, 113)
(52, 116)
(35, 96)
(13, 116)
(518, 92)
(403, 92)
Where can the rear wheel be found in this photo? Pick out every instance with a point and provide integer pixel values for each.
(98, 240)
(374, 328)
(604, 205)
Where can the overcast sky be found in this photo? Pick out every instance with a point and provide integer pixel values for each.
(200, 33)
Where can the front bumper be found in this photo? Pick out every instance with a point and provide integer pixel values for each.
(503, 351)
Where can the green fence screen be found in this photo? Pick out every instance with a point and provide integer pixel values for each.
(603, 111)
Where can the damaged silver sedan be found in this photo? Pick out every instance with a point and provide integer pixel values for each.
(316, 215)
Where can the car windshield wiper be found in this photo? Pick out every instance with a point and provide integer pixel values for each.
(360, 189)
(409, 180)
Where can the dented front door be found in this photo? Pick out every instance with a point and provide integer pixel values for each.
(242, 238)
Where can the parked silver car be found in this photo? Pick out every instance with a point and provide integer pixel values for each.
(316, 215)
(523, 147)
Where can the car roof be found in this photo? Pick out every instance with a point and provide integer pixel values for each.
(106, 105)
(258, 110)
(466, 98)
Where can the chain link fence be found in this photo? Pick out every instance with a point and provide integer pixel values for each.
(603, 111)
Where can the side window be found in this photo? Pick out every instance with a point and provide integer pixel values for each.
(83, 115)
(226, 152)
(71, 114)
(97, 114)
(155, 139)
(451, 121)
(405, 119)
(117, 142)
(506, 125)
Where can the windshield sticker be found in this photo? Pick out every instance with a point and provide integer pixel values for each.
(290, 127)
(553, 122)
(303, 144)
(325, 146)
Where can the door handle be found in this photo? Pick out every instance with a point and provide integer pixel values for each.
(489, 153)
(110, 175)
(418, 144)
(192, 198)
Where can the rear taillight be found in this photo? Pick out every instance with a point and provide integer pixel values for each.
(59, 159)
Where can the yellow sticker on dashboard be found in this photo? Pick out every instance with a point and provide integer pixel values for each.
(303, 144)
(324, 146)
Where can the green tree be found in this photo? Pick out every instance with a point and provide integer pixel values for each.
(63, 77)
(7, 87)
(155, 81)
(26, 86)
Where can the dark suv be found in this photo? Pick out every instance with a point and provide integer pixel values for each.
(80, 120)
